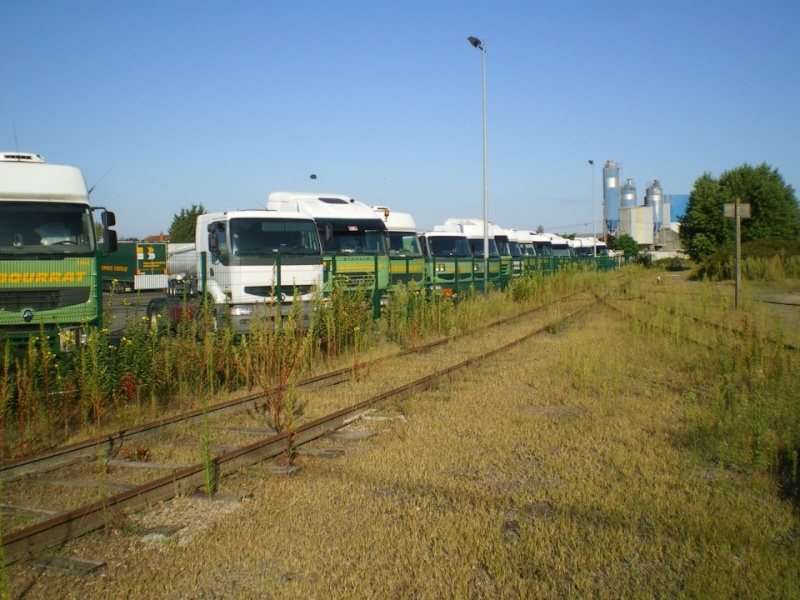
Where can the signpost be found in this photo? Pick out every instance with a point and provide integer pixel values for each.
(737, 212)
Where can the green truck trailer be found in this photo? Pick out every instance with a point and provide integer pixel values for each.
(136, 266)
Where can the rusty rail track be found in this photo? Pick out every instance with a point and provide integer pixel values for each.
(66, 526)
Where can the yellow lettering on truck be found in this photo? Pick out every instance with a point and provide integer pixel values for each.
(17, 277)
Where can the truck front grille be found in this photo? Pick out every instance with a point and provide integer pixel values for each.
(42, 299)
(268, 291)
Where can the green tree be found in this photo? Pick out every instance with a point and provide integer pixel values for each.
(774, 211)
(182, 228)
(627, 244)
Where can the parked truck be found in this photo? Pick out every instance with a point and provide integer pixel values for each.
(405, 255)
(250, 264)
(499, 268)
(354, 240)
(449, 264)
(50, 280)
(135, 266)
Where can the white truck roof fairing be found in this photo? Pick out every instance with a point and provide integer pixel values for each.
(523, 237)
(472, 228)
(584, 242)
(32, 179)
(319, 205)
(395, 221)
(438, 233)
(540, 238)
(496, 230)
(556, 239)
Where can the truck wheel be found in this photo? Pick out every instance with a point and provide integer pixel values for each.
(154, 309)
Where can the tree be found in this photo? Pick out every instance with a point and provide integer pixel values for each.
(774, 211)
(627, 244)
(182, 228)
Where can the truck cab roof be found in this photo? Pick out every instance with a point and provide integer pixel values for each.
(320, 205)
(27, 177)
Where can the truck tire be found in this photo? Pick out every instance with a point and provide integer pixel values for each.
(157, 315)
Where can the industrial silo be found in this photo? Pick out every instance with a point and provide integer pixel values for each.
(628, 195)
(654, 197)
(611, 195)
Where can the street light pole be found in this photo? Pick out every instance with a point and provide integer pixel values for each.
(594, 236)
(481, 45)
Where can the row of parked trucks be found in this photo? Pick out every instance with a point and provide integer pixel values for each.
(249, 263)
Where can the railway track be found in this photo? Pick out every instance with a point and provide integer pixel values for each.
(708, 325)
(123, 494)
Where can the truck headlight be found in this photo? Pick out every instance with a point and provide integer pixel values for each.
(241, 311)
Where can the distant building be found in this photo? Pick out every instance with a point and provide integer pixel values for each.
(161, 237)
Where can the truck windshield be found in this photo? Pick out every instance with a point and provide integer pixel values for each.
(449, 246)
(543, 249)
(251, 237)
(403, 244)
(358, 236)
(477, 248)
(46, 228)
(561, 250)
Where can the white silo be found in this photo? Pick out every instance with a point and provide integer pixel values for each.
(611, 194)
(654, 197)
(628, 196)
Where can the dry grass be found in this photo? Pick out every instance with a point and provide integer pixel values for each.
(560, 470)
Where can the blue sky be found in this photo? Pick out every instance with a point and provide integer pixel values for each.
(166, 104)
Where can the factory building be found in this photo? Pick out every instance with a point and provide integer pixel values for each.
(649, 223)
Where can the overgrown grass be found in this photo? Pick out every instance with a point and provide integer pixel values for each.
(742, 383)
(47, 400)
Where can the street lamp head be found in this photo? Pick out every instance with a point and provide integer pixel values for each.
(476, 43)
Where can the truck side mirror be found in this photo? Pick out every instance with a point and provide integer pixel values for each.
(328, 232)
(110, 240)
(108, 220)
(213, 243)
